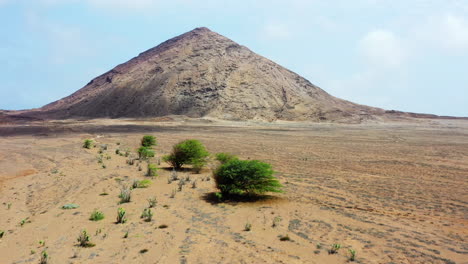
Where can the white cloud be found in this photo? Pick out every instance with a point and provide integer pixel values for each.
(382, 48)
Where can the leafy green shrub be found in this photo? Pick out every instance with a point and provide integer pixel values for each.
(190, 151)
(145, 153)
(246, 177)
(148, 141)
(152, 170)
(198, 165)
(225, 157)
(121, 216)
(248, 227)
(88, 143)
(96, 215)
(83, 240)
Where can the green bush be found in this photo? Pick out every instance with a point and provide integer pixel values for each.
(148, 141)
(96, 215)
(144, 183)
(190, 151)
(145, 152)
(225, 157)
(88, 143)
(121, 216)
(83, 240)
(246, 177)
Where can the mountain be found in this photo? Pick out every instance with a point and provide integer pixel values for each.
(204, 74)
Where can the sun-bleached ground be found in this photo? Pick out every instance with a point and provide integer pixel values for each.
(395, 193)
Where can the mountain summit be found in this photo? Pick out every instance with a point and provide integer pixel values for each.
(204, 74)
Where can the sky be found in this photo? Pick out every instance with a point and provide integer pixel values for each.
(408, 55)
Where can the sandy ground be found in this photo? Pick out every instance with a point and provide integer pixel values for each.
(395, 193)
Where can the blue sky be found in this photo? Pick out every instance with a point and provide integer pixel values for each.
(409, 55)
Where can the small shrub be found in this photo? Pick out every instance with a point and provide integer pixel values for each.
(194, 184)
(135, 184)
(144, 183)
(145, 153)
(130, 161)
(225, 157)
(83, 240)
(152, 202)
(163, 226)
(285, 238)
(96, 215)
(25, 221)
(125, 195)
(248, 227)
(121, 216)
(143, 251)
(117, 151)
(173, 193)
(70, 206)
(190, 151)
(2, 233)
(147, 215)
(352, 256)
(152, 170)
(174, 176)
(334, 249)
(126, 235)
(88, 143)
(246, 177)
(44, 257)
(148, 141)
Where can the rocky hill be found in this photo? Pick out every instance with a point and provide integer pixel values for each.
(203, 74)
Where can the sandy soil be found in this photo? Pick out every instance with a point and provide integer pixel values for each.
(395, 193)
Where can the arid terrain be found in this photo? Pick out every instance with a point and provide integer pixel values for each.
(394, 192)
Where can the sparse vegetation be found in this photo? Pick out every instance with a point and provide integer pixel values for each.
(148, 141)
(83, 240)
(152, 202)
(88, 143)
(285, 238)
(352, 254)
(143, 251)
(24, 221)
(152, 170)
(121, 216)
(248, 227)
(147, 215)
(163, 226)
(2, 233)
(190, 151)
(246, 177)
(96, 215)
(125, 194)
(276, 221)
(70, 206)
(126, 235)
(144, 183)
(44, 257)
(173, 193)
(334, 249)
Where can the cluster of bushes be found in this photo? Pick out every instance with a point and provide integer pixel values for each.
(146, 150)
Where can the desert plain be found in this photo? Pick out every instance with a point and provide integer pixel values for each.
(394, 192)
